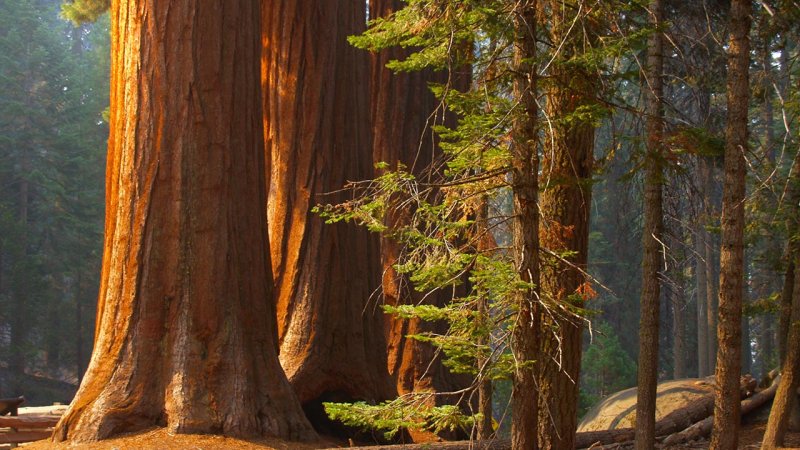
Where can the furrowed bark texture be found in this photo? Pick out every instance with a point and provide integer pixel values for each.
(525, 227)
(317, 132)
(402, 115)
(565, 204)
(185, 330)
(790, 368)
(404, 110)
(653, 257)
(726, 406)
(786, 395)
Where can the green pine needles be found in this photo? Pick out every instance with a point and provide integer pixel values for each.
(456, 229)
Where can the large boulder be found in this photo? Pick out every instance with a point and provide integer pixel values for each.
(619, 410)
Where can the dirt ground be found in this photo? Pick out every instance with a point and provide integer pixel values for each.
(159, 439)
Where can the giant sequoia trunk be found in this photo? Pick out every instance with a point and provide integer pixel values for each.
(565, 203)
(731, 289)
(403, 113)
(318, 138)
(185, 329)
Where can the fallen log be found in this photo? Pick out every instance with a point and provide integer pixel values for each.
(703, 428)
(25, 422)
(671, 423)
(20, 437)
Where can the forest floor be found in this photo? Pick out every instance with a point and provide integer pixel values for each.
(159, 439)
(749, 439)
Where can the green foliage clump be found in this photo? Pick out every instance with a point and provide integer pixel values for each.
(411, 411)
(84, 11)
(449, 241)
(605, 368)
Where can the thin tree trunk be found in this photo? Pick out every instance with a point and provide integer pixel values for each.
(317, 131)
(747, 358)
(186, 335)
(20, 278)
(653, 257)
(709, 256)
(676, 273)
(565, 204)
(768, 89)
(786, 309)
(729, 359)
(525, 231)
(746, 350)
(80, 359)
(700, 298)
(484, 429)
(770, 249)
(679, 330)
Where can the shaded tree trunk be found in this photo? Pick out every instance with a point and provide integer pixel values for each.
(565, 203)
(769, 251)
(710, 259)
(317, 131)
(747, 361)
(677, 244)
(679, 369)
(526, 337)
(653, 257)
(786, 395)
(703, 274)
(483, 428)
(786, 309)
(731, 290)
(700, 298)
(20, 280)
(186, 332)
(80, 359)
(403, 112)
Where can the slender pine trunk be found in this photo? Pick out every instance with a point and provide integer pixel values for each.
(525, 231)
(725, 435)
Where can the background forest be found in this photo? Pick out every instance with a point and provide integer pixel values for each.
(54, 95)
(54, 80)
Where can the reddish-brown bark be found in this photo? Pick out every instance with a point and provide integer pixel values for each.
(317, 132)
(790, 361)
(731, 289)
(185, 321)
(565, 203)
(526, 338)
(652, 237)
(403, 112)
